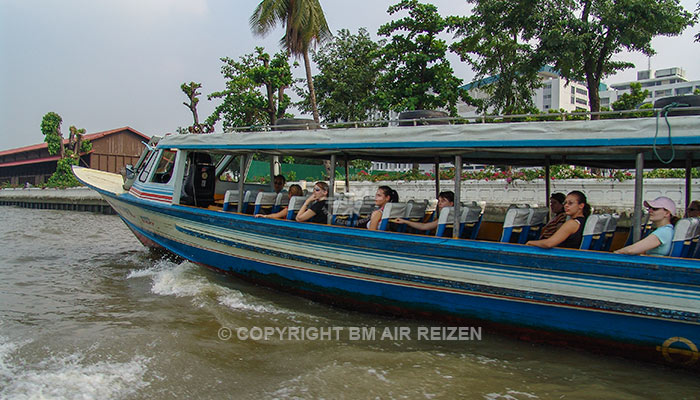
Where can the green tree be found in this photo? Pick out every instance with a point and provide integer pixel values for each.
(305, 26)
(495, 43)
(191, 91)
(346, 85)
(69, 152)
(254, 93)
(418, 74)
(581, 37)
(632, 100)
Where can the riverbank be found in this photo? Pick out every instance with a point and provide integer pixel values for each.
(75, 199)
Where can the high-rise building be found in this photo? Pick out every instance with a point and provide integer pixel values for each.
(555, 94)
(660, 83)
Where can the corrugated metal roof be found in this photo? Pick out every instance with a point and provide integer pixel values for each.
(91, 136)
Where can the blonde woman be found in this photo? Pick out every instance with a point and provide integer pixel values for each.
(315, 208)
(294, 190)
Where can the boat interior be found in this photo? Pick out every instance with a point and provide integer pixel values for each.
(210, 178)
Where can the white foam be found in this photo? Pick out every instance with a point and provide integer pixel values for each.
(68, 377)
(157, 268)
(509, 395)
(6, 350)
(170, 279)
(237, 301)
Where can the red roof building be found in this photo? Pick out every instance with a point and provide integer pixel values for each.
(111, 151)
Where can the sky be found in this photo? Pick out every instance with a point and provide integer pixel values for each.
(106, 64)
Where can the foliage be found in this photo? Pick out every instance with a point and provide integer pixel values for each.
(245, 103)
(417, 74)
(346, 85)
(63, 177)
(495, 43)
(51, 128)
(361, 164)
(671, 173)
(69, 152)
(190, 90)
(632, 100)
(581, 37)
(305, 26)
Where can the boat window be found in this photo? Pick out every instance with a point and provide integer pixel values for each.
(148, 165)
(164, 171)
(231, 171)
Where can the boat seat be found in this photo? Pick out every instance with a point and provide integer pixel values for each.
(294, 206)
(391, 210)
(231, 200)
(609, 232)
(200, 181)
(280, 202)
(685, 236)
(343, 212)
(264, 201)
(364, 207)
(470, 217)
(593, 231)
(430, 210)
(538, 219)
(415, 211)
(694, 251)
(516, 218)
(472, 221)
(646, 228)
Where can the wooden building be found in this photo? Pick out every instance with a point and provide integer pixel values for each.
(111, 151)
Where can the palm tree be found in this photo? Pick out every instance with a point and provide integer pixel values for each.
(305, 26)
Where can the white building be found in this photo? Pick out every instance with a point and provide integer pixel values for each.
(660, 83)
(555, 94)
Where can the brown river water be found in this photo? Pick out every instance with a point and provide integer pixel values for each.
(86, 312)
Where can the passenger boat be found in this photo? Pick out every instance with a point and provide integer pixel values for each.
(638, 306)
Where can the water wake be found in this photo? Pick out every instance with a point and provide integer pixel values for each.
(68, 376)
(185, 280)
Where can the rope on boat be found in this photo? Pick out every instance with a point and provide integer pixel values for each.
(665, 111)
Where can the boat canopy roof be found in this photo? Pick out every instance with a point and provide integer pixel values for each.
(609, 143)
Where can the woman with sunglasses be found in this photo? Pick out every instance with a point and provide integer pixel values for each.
(658, 242)
(315, 208)
(693, 210)
(570, 234)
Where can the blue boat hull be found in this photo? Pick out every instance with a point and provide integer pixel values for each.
(642, 307)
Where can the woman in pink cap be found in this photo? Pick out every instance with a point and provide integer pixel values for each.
(658, 242)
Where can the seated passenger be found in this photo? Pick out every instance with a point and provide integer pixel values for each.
(445, 199)
(556, 205)
(315, 208)
(294, 190)
(658, 242)
(693, 210)
(278, 183)
(384, 195)
(570, 234)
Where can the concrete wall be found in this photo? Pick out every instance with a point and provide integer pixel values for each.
(602, 195)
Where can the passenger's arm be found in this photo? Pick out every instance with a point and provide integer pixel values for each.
(559, 236)
(423, 226)
(305, 213)
(278, 215)
(374, 220)
(642, 246)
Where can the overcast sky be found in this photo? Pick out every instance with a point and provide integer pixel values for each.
(105, 64)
